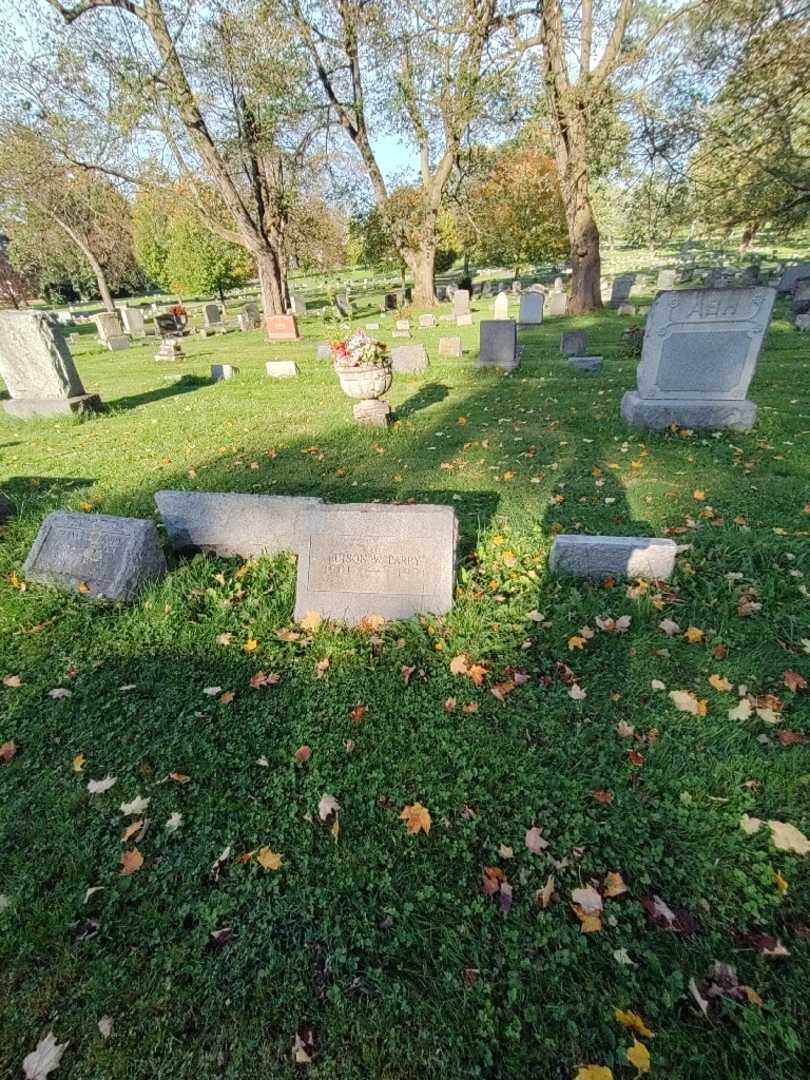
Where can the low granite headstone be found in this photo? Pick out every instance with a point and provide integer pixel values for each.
(586, 363)
(427, 321)
(223, 371)
(626, 309)
(791, 275)
(343, 304)
(38, 369)
(573, 555)
(400, 333)
(281, 369)
(461, 302)
(402, 324)
(234, 524)
(245, 321)
(620, 289)
(370, 559)
(498, 344)
(557, 303)
(464, 320)
(323, 351)
(132, 319)
(390, 301)
(500, 308)
(409, 359)
(574, 342)
(118, 342)
(802, 322)
(531, 308)
(95, 554)
(450, 346)
(281, 327)
(666, 279)
(170, 349)
(800, 297)
(441, 293)
(699, 355)
(372, 326)
(212, 314)
(107, 324)
(298, 305)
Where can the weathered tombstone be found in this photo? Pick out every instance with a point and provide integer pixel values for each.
(372, 326)
(368, 559)
(245, 321)
(251, 309)
(404, 296)
(800, 297)
(281, 369)
(223, 371)
(558, 284)
(298, 305)
(700, 352)
(427, 321)
(464, 320)
(516, 287)
(450, 346)
(234, 524)
(95, 554)
(749, 275)
(498, 344)
(620, 289)
(441, 293)
(323, 351)
(402, 324)
(409, 359)
(281, 327)
(38, 370)
(390, 301)
(108, 325)
(170, 349)
(791, 275)
(557, 303)
(212, 314)
(574, 555)
(501, 306)
(666, 279)
(74, 339)
(585, 363)
(802, 322)
(626, 309)
(461, 302)
(343, 304)
(484, 289)
(166, 324)
(132, 319)
(574, 342)
(118, 342)
(531, 308)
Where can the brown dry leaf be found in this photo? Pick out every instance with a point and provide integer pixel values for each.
(687, 702)
(594, 1072)
(477, 673)
(669, 627)
(450, 704)
(589, 923)
(327, 807)
(576, 693)
(43, 1060)
(370, 624)
(588, 899)
(98, 787)
(416, 818)
(614, 884)
(358, 712)
(227, 697)
(219, 863)
(269, 859)
(791, 738)
(130, 830)
(792, 680)
(8, 750)
(721, 683)
(750, 825)
(639, 1056)
(534, 840)
(781, 883)
(577, 642)
(322, 667)
(12, 681)
(406, 672)
(303, 754)
(224, 639)
(627, 731)
(459, 665)
(694, 635)
(602, 796)
(179, 778)
(79, 762)
(131, 861)
(543, 896)
(634, 1022)
(287, 635)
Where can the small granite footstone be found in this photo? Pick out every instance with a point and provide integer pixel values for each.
(234, 524)
(791, 275)
(450, 346)
(370, 559)
(118, 342)
(464, 320)
(324, 351)
(223, 371)
(574, 342)
(409, 359)
(586, 363)
(498, 344)
(281, 369)
(803, 322)
(573, 555)
(95, 554)
(626, 309)
(427, 321)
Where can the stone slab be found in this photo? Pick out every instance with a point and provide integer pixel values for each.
(370, 559)
(450, 346)
(427, 321)
(666, 279)
(401, 334)
(461, 302)
(281, 327)
(33, 408)
(372, 413)
(228, 523)
(802, 322)
(281, 369)
(660, 414)
(118, 342)
(212, 314)
(107, 324)
(557, 303)
(133, 321)
(573, 555)
(626, 309)
(464, 320)
(791, 275)
(586, 363)
(500, 309)
(223, 371)
(574, 342)
(95, 554)
(531, 308)
(498, 344)
(35, 361)
(324, 351)
(409, 359)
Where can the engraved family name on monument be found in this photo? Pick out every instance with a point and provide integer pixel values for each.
(700, 352)
(367, 559)
(95, 554)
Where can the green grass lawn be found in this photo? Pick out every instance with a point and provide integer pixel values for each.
(381, 944)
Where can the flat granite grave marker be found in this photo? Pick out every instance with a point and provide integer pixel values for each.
(228, 523)
(409, 359)
(95, 554)
(464, 320)
(223, 371)
(281, 369)
(586, 363)
(107, 325)
(531, 308)
(427, 321)
(38, 369)
(699, 355)
(323, 351)
(368, 559)
(450, 346)
(626, 309)
(281, 327)
(574, 555)
(118, 342)
(498, 344)
(574, 342)
(402, 324)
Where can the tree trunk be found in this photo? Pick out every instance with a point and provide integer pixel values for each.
(422, 264)
(585, 292)
(101, 280)
(748, 235)
(272, 285)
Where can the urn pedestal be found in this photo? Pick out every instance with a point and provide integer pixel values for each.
(367, 385)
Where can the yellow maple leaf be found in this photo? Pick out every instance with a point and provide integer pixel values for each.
(311, 621)
(269, 859)
(251, 645)
(79, 762)
(694, 635)
(687, 702)
(721, 683)
(633, 1021)
(639, 1055)
(86, 507)
(615, 884)
(416, 817)
(781, 884)
(698, 495)
(594, 1072)
(576, 642)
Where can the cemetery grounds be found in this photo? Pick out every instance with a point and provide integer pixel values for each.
(554, 758)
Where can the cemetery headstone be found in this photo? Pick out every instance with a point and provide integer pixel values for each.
(557, 303)
(800, 297)
(574, 555)
(501, 306)
(281, 327)
(498, 344)
(699, 355)
(574, 342)
(369, 559)
(38, 369)
(626, 309)
(170, 349)
(118, 342)
(212, 314)
(585, 363)
(343, 304)
(620, 289)
(298, 305)
(390, 301)
(323, 351)
(166, 324)
(802, 322)
(516, 287)
(531, 308)
(372, 326)
(484, 289)
(223, 371)
(132, 319)
(666, 279)
(409, 359)
(558, 284)
(252, 311)
(461, 302)
(234, 524)
(427, 321)
(281, 369)
(402, 324)
(108, 325)
(95, 554)
(441, 293)
(450, 346)
(791, 275)
(464, 320)
(245, 321)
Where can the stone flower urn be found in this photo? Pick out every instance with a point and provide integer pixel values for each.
(366, 385)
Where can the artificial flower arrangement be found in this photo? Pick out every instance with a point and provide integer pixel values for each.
(359, 350)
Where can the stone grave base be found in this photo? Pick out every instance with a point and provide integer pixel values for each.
(586, 363)
(30, 408)
(373, 413)
(576, 555)
(658, 414)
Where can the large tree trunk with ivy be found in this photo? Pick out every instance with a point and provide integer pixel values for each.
(272, 283)
(422, 264)
(585, 293)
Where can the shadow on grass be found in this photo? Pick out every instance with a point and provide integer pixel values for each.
(428, 395)
(41, 494)
(184, 385)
